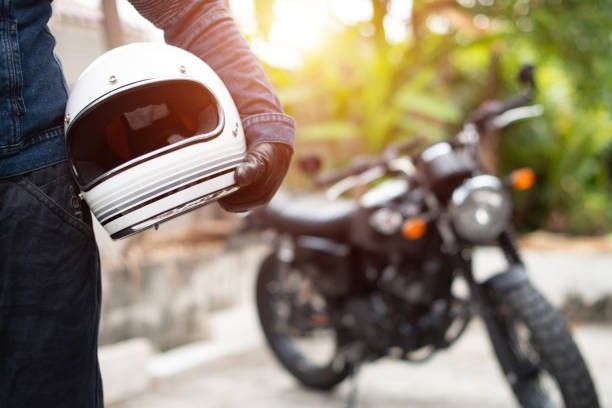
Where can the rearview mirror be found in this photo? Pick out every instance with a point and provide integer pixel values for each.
(526, 75)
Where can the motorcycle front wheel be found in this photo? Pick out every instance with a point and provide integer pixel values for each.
(281, 294)
(537, 353)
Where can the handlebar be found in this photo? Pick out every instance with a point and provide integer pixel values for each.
(490, 110)
(394, 151)
(495, 108)
(356, 169)
(480, 117)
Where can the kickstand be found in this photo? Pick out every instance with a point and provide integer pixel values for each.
(356, 356)
(352, 397)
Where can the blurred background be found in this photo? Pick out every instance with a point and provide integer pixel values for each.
(357, 75)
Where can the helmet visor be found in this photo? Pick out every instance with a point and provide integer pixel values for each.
(137, 125)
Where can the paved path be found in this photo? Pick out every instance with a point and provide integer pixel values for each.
(464, 376)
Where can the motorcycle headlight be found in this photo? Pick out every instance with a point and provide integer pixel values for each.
(480, 209)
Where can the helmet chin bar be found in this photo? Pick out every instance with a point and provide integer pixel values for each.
(175, 212)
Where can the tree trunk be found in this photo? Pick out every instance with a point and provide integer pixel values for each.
(112, 24)
(380, 11)
(490, 140)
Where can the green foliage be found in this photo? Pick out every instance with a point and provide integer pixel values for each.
(360, 87)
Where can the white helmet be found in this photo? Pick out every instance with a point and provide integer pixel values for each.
(151, 132)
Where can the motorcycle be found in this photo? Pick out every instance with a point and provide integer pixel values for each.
(390, 274)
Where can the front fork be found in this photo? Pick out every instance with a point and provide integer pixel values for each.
(504, 280)
(507, 242)
(499, 283)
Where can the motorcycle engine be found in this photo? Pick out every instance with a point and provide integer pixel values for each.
(410, 309)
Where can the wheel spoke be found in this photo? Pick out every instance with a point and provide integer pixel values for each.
(300, 316)
(528, 369)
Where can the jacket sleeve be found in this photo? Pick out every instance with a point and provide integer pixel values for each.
(206, 28)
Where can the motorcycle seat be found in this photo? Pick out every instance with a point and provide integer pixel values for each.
(312, 215)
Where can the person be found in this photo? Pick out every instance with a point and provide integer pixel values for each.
(49, 268)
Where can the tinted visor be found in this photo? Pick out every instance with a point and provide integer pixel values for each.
(136, 123)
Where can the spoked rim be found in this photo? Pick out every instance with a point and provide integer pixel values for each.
(531, 376)
(297, 314)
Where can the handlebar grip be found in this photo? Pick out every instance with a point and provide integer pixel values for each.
(496, 108)
(516, 101)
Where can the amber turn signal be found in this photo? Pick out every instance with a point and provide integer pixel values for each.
(414, 228)
(522, 179)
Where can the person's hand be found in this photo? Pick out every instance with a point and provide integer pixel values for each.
(259, 176)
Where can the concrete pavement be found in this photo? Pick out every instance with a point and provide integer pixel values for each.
(236, 370)
(464, 376)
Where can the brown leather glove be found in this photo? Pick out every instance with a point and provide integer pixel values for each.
(259, 176)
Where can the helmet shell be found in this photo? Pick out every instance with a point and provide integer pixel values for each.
(161, 184)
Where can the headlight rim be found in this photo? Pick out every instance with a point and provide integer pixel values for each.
(464, 191)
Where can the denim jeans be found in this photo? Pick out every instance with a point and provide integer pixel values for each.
(49, 293)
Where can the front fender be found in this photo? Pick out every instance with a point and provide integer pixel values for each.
(506, 280)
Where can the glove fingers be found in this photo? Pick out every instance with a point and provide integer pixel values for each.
(250, 171)
(255, 165)
(259, 176)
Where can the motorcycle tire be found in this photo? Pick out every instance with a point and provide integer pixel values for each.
(319, 378)
(522, 306)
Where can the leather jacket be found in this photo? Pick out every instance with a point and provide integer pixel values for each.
(33, 91)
